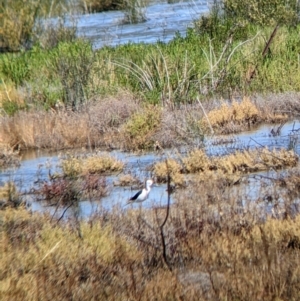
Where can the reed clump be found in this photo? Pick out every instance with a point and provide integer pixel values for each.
(238, 112)
(237, 115)
(218, 176)
(256, 160)
(169, 167)
(95, 164)
(240, 162)
(126, 180)
(197, 161)
(102, 164)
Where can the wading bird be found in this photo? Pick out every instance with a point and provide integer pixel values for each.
(141, 195)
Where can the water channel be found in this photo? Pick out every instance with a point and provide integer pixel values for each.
(37, 165)
(163, 21)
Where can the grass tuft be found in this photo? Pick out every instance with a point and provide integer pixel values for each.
(244, 113)
(197, 161)
(126, 180)
(240, 162)
(169, 167)
(95, 164)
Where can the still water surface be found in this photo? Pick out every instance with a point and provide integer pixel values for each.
(163, 20)
(37, 165)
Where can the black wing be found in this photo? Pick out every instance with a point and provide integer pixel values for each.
(135, 196)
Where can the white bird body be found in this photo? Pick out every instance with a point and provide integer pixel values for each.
(141, 195)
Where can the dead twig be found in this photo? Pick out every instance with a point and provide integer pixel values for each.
(164, 249)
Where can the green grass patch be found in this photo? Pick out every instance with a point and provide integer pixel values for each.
(219, 57)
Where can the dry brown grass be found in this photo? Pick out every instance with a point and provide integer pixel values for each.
(126, 180)
(8, 157)
(277, 104)
(98, 163)
(66, 129)
(237, 112)
(216, 249)
(240, 162)
(122, 122)
(232, 117)
(197, 161)
(169, 167)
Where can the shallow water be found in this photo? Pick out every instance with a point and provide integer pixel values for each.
(257, 138)
(37, 165)
(163, 20)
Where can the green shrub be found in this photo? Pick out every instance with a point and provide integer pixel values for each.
(263, 12)
(139, 129)
(72, 62)
(15, 68)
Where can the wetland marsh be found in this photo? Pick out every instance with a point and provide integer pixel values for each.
(211, 114)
